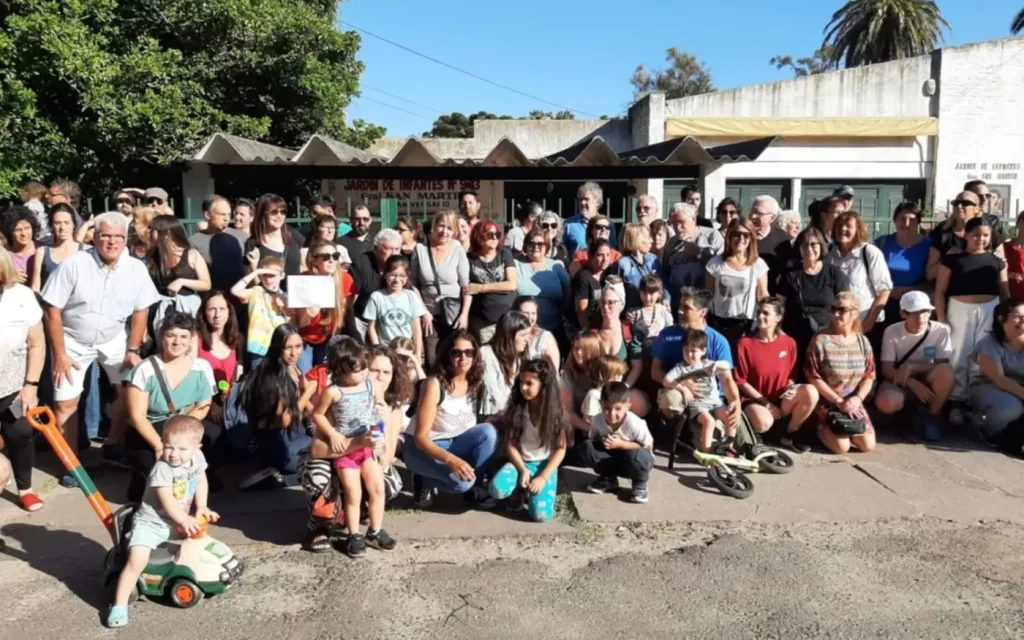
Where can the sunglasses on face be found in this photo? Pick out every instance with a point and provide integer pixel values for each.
(493, 236)
(964, 203)
(549, 225)
(328, 256)
(601, 227)
(462, 353)
(842, 309)
(537, 245)
(154, 200)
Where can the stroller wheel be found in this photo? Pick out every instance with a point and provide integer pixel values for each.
(776, 462)
(731, 483)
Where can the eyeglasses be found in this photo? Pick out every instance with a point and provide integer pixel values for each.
(602, 227)
(462, 353)
(328, 256)
(964, 203)
(549, 225)
(537, 245)
(111, 237)
(494, 235)
(154, 200)
(842, 310)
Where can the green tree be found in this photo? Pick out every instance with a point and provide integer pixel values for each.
(866, 32)
(685, 76)
(106, 91)
(1018, 23)
(537, 114)
(819, 62)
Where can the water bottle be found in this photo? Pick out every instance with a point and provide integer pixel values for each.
(377, 433)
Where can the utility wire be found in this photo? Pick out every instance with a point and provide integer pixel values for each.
(422, 106)
(463, 71)
(391, 106)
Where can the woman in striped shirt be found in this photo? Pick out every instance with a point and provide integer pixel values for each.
(841, 367)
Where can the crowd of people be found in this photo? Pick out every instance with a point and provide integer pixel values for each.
(486, 358)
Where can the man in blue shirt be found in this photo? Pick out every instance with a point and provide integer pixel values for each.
(589, 198)
(667, 352)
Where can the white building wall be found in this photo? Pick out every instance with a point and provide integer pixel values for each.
(981, 120)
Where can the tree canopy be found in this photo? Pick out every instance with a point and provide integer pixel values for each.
(459, 125)
(818, 62)
(103, 91)
(866, 32)
(685, 76)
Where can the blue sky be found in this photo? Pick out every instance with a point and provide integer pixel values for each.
(581, 53)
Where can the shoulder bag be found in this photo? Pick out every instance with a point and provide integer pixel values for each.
(917, 345)
(842, 424)
(451, 308)
(165, 388)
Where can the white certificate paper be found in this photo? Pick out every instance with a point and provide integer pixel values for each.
(310, 291)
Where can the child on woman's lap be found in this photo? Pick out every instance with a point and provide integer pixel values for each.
(178, 478)
(350, 398)
(697, 379)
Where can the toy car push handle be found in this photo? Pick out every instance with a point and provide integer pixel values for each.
(43, 420)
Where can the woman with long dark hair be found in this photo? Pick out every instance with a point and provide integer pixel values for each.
(536, 435)
(219, 343)
(501, 359)
(448, 450)
(269, 396)
(324, 228)
(272, 237)
(178, 271)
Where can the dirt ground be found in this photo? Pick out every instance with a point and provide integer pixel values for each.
(907, 578)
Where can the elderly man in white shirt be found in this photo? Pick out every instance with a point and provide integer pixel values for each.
(89, 299)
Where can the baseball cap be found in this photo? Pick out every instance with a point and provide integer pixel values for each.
(844, 191)
(915, 301)
(156, 192)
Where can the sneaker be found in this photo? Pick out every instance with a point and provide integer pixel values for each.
(422, 495)
(356, 546)
(604, 485)
(516, 503)
(639, 493)
(930, 429)
(481, 499)
(380, 540)
(793, 445)
(956, 417)
(266, 479)
(68, 482)
(113, 454)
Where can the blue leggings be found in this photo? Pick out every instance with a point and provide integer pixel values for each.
(541, 507)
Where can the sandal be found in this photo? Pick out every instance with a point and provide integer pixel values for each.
(318, 542)
(794, 445)
(31, 502)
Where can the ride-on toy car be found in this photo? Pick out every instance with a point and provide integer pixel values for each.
(727, 471)
(184, 571)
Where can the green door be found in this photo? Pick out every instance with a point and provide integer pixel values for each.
(744, 192)
(874, 201)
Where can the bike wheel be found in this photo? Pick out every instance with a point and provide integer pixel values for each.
(731, 483)
(776, 462)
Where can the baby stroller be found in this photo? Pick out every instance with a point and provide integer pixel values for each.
(727, 469)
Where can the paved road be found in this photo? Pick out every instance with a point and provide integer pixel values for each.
(911, 578)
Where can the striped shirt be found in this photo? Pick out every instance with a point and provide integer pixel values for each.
(841, 365)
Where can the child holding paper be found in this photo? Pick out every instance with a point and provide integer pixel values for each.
(318, 324)
(267, 307)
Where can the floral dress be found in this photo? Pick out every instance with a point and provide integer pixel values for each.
(841, 365)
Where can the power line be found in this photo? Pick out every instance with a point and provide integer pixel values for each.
(464, 72)
(391, 106)
(422, 106)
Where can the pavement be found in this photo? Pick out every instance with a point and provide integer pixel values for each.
(910, 540)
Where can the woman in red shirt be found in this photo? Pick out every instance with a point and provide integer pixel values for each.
(766, 368)
(316, 325)
(218, 341)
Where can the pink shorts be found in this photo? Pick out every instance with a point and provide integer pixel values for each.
(354, 460)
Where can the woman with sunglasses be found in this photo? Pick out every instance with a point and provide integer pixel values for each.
(968, 287)
(440, 269)
(493, 280)
(411, 231)
(547, 281)
(841, 368)
(737, 279)
(951, 236)
(316, 325)
(272, 237)
(726, 211)
(551, 225)
(599, 228)
(448, 450)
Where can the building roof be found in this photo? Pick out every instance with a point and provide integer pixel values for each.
(223, 149)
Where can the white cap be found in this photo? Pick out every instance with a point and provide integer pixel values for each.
(915, 301)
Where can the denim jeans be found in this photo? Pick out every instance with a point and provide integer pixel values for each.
(476, 447)
(999, 408)
(280, 449)
(635, 464)
(90, 407)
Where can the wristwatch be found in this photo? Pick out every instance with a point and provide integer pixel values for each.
(135, 350)
(31, 383)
